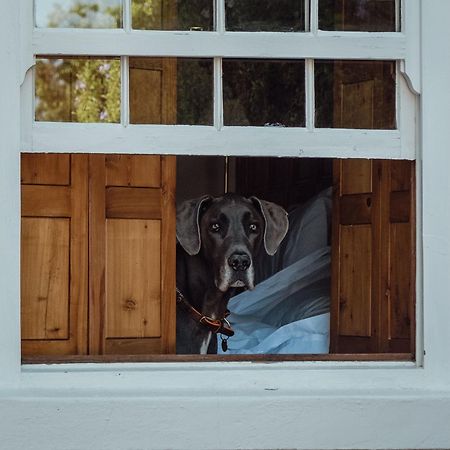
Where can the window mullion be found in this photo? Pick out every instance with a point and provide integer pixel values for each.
(314, 16)
(124, 91)
(127, 15)
(309, 94)
(220, 15)
(218, 94)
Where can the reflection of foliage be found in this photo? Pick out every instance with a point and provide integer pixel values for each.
(78, 90)
(87, 14)
(172, 14)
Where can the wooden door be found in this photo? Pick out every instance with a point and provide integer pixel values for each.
(132, 254)
(373, 257)
(54, 254)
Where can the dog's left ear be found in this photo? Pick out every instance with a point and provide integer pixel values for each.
(188, 223)
(277, 224)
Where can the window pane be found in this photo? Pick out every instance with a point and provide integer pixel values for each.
(77, 90)
(265, 15)
(261, 92)
(78, 13)
(357, 15)
(195, 15)
(171, 91)
(355, 94)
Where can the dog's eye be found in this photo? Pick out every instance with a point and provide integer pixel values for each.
(253, 227)
(214, 227)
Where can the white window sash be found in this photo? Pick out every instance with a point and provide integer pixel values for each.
(310, 45)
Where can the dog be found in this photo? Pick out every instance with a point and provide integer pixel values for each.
(218, 241)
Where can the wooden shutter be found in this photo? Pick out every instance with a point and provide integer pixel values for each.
(132, 254)
(373, 263)
(109, 219)
(54, 254)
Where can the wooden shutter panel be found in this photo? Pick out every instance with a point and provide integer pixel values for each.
(54, 254)
(132, 254)
(373, 257)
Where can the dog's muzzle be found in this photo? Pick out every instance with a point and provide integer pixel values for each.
(236, 272)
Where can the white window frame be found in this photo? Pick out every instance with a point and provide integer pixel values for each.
(219, 139)
(236, 405)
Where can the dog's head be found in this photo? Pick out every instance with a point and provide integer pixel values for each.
(229, 231)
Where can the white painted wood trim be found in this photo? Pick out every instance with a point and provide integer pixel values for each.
(203, 140)
(323, 45)
(310, 106)
(410, 23)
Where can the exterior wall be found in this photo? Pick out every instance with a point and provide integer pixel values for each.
(238, 405)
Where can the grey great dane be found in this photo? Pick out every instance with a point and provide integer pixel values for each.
(219, 240)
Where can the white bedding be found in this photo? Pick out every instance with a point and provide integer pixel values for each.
(288, 312)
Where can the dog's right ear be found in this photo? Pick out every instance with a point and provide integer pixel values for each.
(188, 223)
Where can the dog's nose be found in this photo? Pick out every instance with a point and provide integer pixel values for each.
(239, 261)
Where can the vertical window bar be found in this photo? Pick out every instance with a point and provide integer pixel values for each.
(124, 91)
(309, 94)
(126, 7)
(314, 16)
(220, 15)
(125, 70)
(398, 12)
(218, 94)
(307, 17)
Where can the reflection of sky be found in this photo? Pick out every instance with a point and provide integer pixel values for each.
(43, 8)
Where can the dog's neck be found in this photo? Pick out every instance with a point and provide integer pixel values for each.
(199, 288)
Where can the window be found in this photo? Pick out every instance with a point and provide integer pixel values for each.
(230, 83)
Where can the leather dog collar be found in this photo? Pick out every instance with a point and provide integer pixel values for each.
(217, 326)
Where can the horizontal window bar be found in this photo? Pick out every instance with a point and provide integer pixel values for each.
(323, 45)
(204, 140)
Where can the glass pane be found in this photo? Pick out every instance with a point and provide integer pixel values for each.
(357, 15)
(77, 90)
(78, 13)
(355, 94)
(262, 92)
(171, 91)
(195, 15)
(265, 15)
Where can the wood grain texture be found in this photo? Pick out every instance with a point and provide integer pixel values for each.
(97, 253)
(46, 201)
(355, 281)
(356, 209)
(356, 176)
(133, 203)
(133, 278)
(387, 271)
(72, 304)
(45, 278)
(168, 255)
(357, 105)
(79, 259)
(44, 168)
(133, 170)
(261, 359)
(146, 101)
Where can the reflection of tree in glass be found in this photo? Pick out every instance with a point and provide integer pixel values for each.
(78, 90)
(86, 14)
(172, 14)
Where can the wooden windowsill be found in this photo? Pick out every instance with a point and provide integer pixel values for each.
(214, 358)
